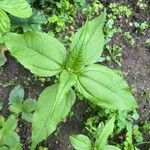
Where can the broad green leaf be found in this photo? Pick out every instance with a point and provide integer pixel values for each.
(111, 147)
(16, 95)
(87, 43)
(81, 142)
(28, 105)
(19, 8)
(39, 52)
(104, 87)
(45, 119)
(4, 22)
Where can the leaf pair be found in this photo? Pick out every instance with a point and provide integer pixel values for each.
(8, 136)
(18, 8)
(82, 142)
(17, 105)
(45, 56)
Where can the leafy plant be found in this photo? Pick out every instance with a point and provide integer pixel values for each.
(18, 106)
(19, 8)
(115, 53)
(45, 56)
(33, 23)
(142, 26)
(8, 137)
(82, 142)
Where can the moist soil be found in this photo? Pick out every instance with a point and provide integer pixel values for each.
(136, 69)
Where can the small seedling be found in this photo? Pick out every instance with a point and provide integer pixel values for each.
(9, 139)
(80, 142)
(18, 106)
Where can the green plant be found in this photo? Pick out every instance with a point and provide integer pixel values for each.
(141, 26)
(18, 106)
(129, 38)
(81, 142)
(19, 8)
(120, 9)
(124, 125)
(33, 23)
(9, 139)
(63, 14)
(45, 56)
(115, 53)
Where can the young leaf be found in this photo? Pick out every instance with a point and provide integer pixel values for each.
(7, 134)
(104, 87)
(15, 99)
(28, 105)
(66, 81)
(103, 134)
(42, 54)
(19, 8)
(28, 116)
(81, 142)
(16, 95)
(45, 119)
(4, 22)
(87, 43)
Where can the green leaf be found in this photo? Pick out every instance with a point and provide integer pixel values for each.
(16, 95)
(81, 142)
(66, 81)
(87, 43)
(4, 22)
(111, 147)
(103, 133)
(42, 54)
(105, 87)
(27, 116)
(28, 105)
(29, 24)
(45, 119)
(16, 107)
(8, 135)
(19, 8)
(13, 141)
